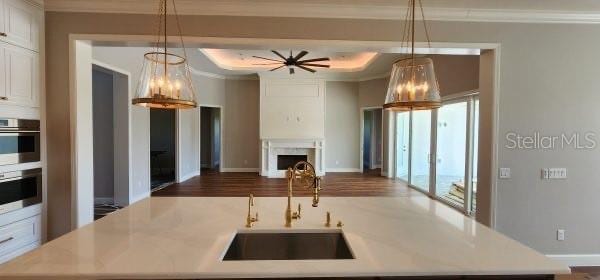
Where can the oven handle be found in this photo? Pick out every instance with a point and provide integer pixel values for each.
(10, 179)
(16, 132)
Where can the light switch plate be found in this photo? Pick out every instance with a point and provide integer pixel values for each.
(504, 173)
(560, 235)
(554, 173)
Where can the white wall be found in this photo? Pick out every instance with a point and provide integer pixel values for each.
(292, 108)
(188, 149)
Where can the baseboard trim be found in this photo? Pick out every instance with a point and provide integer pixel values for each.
(348, 170)
(189, 176)
(104, 200)
(577, 259)
(239, 169)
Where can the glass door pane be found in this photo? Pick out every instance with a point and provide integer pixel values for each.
(475, 154)
(451, 152)
(420, 149)
(402, 144)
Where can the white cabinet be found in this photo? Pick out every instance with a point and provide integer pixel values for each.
(19, 76)
(21, 23)
(19, 237)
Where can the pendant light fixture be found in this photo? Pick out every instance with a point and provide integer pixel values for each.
(165, 80)
(413, 85)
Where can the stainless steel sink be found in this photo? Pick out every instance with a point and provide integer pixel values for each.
(288, 246)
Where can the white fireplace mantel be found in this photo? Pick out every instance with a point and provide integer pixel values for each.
(271, 148)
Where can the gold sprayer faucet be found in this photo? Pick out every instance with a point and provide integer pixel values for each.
(249, 219)
(303, 172)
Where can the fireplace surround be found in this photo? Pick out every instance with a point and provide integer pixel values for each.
(310, 150)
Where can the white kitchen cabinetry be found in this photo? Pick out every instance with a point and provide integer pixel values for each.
(21, 21)
(19, 71)
(20, 44)
(18, 235)
(21, 96)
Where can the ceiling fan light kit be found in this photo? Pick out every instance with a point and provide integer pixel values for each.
(292, 62)
(165, 80)
(413, 84)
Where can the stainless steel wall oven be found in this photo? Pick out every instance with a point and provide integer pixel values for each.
(19, 141)
(19, 189)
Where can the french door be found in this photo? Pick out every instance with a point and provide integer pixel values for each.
(436, 151)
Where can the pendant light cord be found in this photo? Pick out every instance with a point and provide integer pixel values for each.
(166, 62)
(425, 24)
(188, 74)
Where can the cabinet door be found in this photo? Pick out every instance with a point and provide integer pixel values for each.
(21, 24)
(2, 20)
(21, 69)
(3, 86)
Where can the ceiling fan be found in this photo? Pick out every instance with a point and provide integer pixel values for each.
(294, 61)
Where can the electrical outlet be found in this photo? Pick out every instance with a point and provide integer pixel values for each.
(504, 173)
(560, 235)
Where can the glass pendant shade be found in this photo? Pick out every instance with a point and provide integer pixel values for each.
(165, 82)
(413, 86)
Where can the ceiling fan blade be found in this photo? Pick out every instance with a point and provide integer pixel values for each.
(292, 71)
(306, 68)
(267, 58)
(280, 55)
(314, 60)
(315, 65)
(276, 68)
(300, 55)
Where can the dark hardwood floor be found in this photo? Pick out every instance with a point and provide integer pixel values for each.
(212, 183)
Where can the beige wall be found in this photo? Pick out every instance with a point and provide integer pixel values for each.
(539, 90)
(342, 126)
(240, 124)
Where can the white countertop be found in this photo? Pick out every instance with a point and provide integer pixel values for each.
(164, 237)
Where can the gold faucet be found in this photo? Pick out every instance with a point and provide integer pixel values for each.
(328, 220)
(305, 173)
(249, 219)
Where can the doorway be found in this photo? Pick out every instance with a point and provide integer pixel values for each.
(109, 159)
(372, 139)
(162, 147)
(210, 139)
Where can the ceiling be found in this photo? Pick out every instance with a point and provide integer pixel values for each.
(230, 59)
(379, 64)
(458, 10)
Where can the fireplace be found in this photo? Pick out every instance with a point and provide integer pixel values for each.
(279, 154)
(286, 161)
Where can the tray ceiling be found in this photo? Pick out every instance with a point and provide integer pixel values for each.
(243, 60)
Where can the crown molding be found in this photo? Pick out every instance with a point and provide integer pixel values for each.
(249, 77)
(322, 10)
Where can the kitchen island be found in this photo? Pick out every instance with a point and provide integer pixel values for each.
(179, 238)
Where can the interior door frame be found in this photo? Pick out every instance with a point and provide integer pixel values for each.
(362, 111)
(490, 60)
(221, 126)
